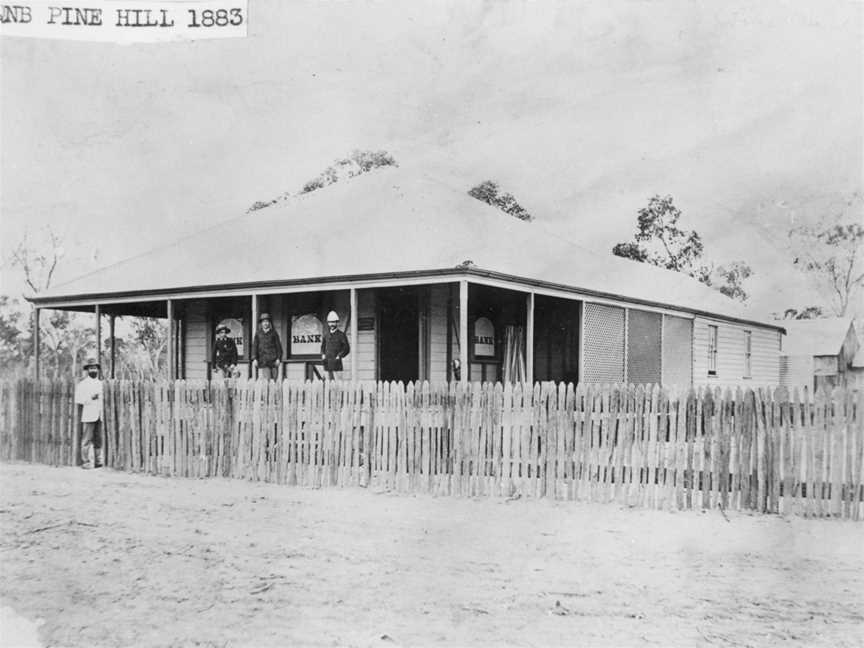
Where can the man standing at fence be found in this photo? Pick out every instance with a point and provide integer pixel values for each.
(334, 347)
(88, 394)
(224, 352)
(266, 350)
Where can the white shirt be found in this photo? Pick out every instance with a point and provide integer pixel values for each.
(84, 395)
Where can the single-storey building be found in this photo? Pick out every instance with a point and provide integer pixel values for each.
(421, 275)
(819, 353)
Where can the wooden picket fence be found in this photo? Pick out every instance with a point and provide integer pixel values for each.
(761, 450)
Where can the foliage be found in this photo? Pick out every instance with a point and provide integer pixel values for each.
(810, 312)
(831, 255)
(660, 241)
(356, 163)
(731, 279)
(69, 337)
(490, 193)
(143, 352)
(68, 340)
(14, 341)
(261, 204)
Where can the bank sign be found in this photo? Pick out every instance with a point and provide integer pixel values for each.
(484, 338)
(306, 335)
(117, 21)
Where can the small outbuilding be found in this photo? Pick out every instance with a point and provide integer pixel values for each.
(820, 353)
(423, 275)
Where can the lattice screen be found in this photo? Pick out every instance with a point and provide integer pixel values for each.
(643, 347)
(603, 349)
(677, 351)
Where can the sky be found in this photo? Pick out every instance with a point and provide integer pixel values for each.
(748, 114)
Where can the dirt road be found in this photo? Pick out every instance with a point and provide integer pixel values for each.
(105, 558)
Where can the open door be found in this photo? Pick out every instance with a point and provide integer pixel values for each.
(398, 334)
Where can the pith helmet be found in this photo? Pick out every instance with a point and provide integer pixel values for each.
(92, 362)
(219, 329)
(264, 316)
(332, 317)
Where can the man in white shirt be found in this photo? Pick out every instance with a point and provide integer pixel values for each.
(88, 394)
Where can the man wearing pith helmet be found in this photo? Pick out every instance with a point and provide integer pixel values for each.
(266, 350)
(88, 394)
(334, 347)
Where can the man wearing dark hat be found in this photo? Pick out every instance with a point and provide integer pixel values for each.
(266, 350)
(88, 394)
(224, 352)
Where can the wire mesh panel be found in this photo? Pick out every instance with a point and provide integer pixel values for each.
(604, 343)
(677, 351)
(643, 347)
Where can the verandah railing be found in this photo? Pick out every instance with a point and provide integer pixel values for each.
(762, 450)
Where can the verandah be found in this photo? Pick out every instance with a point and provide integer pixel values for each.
(762, 450)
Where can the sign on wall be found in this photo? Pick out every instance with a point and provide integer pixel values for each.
(235, 327)
(305, 335)
(484, 338)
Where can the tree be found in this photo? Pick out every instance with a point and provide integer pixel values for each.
(810, 312)
(489, 192)
(355, 164)
(37, 264)
(146, 345)
(67, 336)
(14, 349)
(733, 277)
(830, 255)
(660, 241)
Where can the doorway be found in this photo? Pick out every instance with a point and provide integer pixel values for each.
(398, 334)
(556, 339)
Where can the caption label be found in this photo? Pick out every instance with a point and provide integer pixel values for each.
(125, 22)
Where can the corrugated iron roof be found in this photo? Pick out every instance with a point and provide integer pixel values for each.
(815, 337)
(389, 222)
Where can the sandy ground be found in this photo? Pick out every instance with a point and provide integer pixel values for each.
(95, 558)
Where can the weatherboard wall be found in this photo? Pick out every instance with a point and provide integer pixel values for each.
(195, 341)
(731, 363)
(365, 355)
(438, 295)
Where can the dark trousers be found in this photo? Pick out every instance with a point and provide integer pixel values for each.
(91, 437)
(270, 372)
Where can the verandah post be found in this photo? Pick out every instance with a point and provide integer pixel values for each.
(529, 338)
(354, 336)
(97, 312)
(113, 358)
(169, 312)
(463, 331)
(253, 328)
(37, 342)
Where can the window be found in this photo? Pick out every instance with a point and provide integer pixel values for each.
(712, 350)
(748, 353)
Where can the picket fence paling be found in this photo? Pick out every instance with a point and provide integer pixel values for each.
(763, 450)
